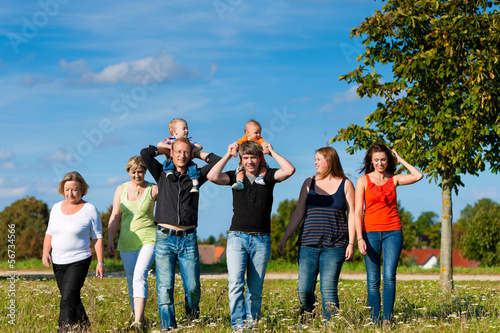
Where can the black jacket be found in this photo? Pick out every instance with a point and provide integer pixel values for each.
(175, 205)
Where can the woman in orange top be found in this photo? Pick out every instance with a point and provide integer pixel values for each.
(379, 228)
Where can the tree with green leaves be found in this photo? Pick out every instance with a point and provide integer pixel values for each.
(279, 223)
(481, 241)
(440, 109)
(28, 217)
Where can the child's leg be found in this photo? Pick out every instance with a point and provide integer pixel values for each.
(194, 174)
(169, 168)
(240, 176)
(262, 173)
(262, 170)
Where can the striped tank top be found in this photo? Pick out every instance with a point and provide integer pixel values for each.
(325, 223)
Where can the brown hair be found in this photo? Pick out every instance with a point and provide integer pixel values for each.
(174, 121)
(135, 162)
(73, 176)
(333, 162)
(378, 147)
(255, 122)
(250, 148)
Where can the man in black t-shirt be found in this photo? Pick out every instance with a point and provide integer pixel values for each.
(249, 242)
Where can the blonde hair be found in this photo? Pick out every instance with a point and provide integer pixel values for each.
(73, 176)
(255, 122)
(172, 124)
(135, 162)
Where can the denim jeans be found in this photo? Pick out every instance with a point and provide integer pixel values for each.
(327, 261)
(388, 243)
(170, 249)
(137, 264)
(70, 279)
(251, 254)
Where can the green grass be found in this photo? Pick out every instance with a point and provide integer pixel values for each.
(275, 266)
(420, 307)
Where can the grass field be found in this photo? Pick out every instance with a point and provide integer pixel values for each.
(420, 307)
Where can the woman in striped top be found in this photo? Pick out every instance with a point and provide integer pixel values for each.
(326, 204)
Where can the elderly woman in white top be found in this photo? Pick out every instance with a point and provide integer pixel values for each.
(73, 222)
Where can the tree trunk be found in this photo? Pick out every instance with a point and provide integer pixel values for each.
(446, 258)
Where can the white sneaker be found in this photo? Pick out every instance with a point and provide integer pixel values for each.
(260, 180)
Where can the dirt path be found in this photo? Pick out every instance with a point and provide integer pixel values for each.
(277, 276)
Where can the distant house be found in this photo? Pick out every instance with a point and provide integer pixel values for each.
(428, 258)
(210, 254)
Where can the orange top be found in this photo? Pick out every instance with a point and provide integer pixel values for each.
(381, 207)
(260, 141)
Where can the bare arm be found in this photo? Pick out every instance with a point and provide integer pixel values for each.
(359, 202)
(162, 144)
(154, 192)
(349, 195)
(286, 168)
(99, 251)
(215, 175)
(47, 245)
(414, 176)
(114, 220)
(297, 216)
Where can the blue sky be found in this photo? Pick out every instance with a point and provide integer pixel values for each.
(86, 85)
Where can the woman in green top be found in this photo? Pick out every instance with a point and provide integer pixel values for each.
(133, 205)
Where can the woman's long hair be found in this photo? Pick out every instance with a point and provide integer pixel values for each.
(378, 147)
(333, 162)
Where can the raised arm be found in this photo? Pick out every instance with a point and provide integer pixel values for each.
(215, 175)
(297, 216)
(359, 203)
(286, 168)
(414, 176)
(148, 156)
(114, 220)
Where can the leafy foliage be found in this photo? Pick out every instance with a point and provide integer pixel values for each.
(442, 106)
(278, 226)
(30, 218)
(481, 241)
(440, 110)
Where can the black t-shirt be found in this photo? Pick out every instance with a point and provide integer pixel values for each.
(252, 206)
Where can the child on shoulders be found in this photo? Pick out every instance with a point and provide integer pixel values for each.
(178, 128)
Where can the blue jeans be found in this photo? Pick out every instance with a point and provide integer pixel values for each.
(390, 243)
(327, 261)
(251, 254)
(192, 168)
(169, 250)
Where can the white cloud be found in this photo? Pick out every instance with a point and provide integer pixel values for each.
(346, 96)
(115, 180)
(6, 154)
(8, 166)
(14, 192)
(141, 72)
(58, 156)
(486, 192)
(340, 98)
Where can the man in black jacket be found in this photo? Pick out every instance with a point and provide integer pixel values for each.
(176, 217)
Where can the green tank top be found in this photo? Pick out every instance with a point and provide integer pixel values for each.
(137, 224)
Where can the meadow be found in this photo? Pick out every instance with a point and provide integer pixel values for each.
(474, 306)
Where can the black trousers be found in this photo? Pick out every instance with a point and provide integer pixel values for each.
(70, 279)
